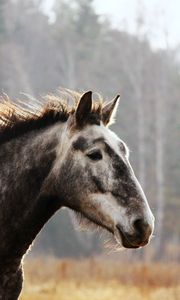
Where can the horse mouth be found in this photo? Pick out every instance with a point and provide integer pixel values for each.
(126, 240)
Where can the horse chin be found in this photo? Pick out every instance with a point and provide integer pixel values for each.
(122, 240)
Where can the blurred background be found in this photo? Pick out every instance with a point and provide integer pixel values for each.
(129, 47)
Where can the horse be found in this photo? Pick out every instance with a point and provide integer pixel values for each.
(64, 155)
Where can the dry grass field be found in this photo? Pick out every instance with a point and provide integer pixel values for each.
(100, 279)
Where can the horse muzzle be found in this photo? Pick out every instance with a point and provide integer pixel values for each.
(140, 237)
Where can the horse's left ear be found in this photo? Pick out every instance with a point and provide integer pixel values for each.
(84, 108)
(109, 111)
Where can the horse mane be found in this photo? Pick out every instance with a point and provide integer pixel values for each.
(17, 118)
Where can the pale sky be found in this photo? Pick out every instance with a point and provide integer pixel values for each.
(162, 18)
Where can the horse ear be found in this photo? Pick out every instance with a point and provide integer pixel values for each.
(84, 108)
(109, 111)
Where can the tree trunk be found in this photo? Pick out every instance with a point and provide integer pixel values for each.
(160, 180)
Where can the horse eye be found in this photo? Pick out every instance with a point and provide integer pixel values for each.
(95, 155)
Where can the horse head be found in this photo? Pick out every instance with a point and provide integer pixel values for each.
(95, 177)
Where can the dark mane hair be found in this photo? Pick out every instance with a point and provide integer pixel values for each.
(19, 118)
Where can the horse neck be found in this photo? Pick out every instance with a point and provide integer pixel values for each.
(10, 280)
(25, 165)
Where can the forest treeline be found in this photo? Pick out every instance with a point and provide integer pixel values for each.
(81, 50)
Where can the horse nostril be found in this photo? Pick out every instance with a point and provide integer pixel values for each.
(142, 227)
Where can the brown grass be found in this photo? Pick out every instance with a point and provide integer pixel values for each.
(100, 279)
